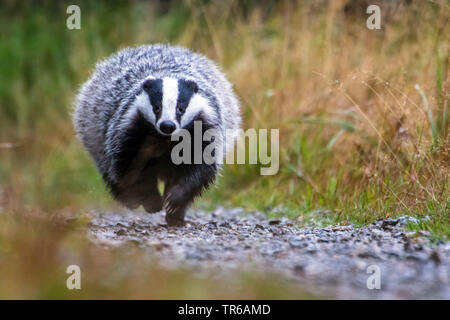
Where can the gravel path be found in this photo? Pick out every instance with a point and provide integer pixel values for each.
(329, 261)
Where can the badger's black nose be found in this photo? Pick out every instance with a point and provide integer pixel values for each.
(167, 127)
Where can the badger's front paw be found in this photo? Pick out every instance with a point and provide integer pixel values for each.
(153, 204)
(129, 202)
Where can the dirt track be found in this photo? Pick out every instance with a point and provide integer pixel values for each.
(330, 261)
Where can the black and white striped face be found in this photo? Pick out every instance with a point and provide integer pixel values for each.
(170, 104)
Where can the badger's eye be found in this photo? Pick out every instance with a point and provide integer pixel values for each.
(180, 108)
(156, 108)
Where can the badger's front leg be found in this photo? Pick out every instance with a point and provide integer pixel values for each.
(179, 192)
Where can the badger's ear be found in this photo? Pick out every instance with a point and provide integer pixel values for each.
(193, 85)
(149, 83)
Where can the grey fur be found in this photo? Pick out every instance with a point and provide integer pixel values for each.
(104, 99)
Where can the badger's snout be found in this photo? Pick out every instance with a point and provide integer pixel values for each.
(167, 127)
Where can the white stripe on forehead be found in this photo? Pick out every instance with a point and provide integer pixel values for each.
(169, 99)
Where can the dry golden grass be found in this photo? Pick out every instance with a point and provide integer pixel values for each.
(316, 65)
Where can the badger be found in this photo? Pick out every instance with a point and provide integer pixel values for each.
(126, 114)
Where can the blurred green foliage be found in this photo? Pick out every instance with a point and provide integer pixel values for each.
(355, 138)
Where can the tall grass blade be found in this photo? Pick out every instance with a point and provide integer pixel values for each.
(431, 121)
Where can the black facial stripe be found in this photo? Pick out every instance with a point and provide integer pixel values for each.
(186, 88)
(154, 89)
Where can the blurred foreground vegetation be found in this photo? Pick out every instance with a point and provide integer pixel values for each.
(363, 119)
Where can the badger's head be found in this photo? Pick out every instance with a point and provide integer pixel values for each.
(171, 104)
